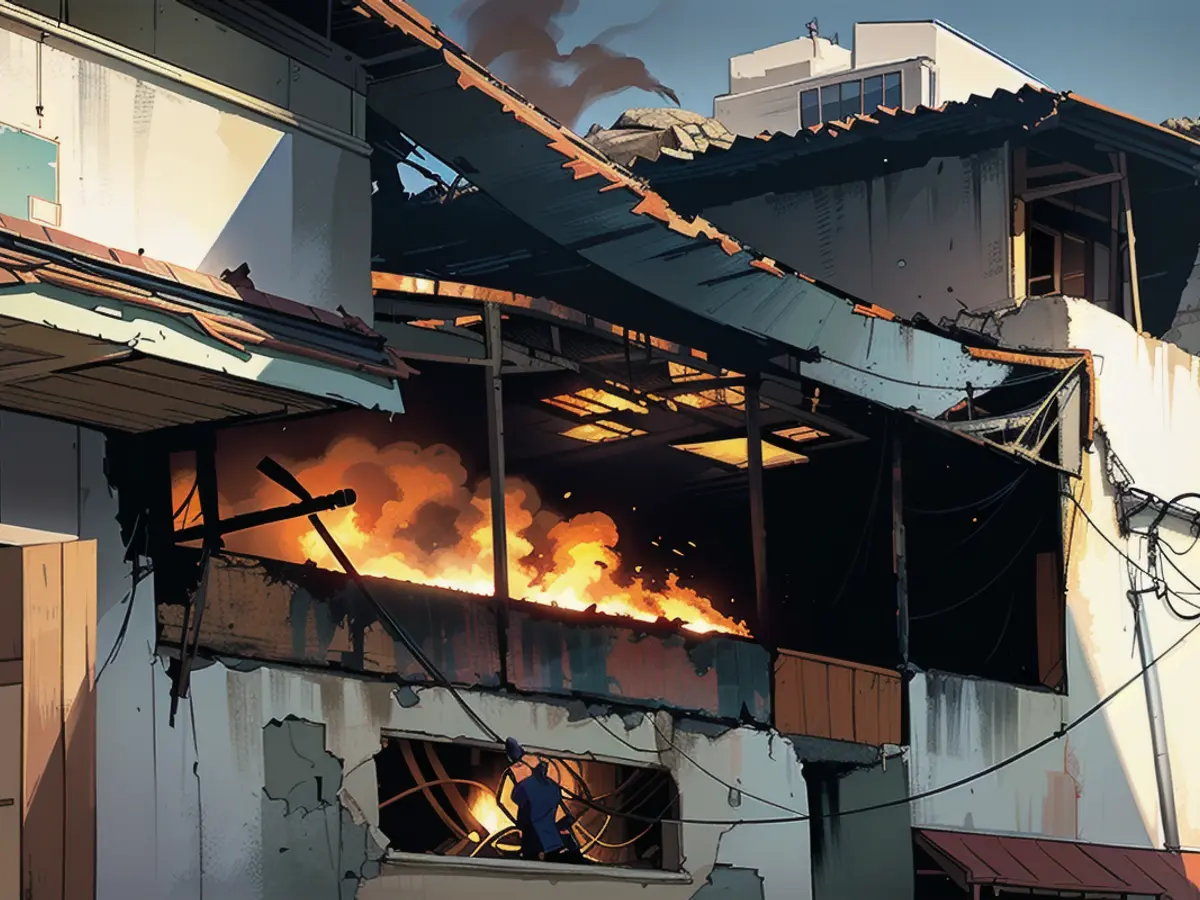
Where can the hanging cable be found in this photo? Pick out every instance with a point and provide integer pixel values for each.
(975, 504)
(995, 578)
(870, 521)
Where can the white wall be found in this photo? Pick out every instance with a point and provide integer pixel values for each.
(777, 109)
(1148, 406)
(931, 240)
(184, 809)
(152, 165)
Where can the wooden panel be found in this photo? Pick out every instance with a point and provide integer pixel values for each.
(10, 792)
(42, 840)
(890, 700)
(1051, 621)
(866, 707)
(79, 716)
(788, 700)
(814, 677)
(841, 703)
(12, 591)
(10, 851)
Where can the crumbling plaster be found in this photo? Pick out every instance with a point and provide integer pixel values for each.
(1148, 410)
(207, 808)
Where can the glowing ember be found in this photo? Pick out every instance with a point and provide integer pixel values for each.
(417, 520)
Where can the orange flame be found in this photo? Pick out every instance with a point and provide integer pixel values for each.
(417, 520)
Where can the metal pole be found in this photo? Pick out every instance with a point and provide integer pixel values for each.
(758, 528)
(495, 426)
(899, 553)
(1158, 729)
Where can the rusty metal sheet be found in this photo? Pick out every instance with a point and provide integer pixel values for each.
(718, 676)
(984, 859)
(301, 615)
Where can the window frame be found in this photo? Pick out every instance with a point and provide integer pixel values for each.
(672, 832)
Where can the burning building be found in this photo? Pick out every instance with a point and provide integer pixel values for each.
(583, 547)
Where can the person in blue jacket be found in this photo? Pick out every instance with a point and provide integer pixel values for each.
(539, 798)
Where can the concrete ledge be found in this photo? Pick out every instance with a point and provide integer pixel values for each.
(403, 863)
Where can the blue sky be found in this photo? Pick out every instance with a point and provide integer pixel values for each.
(1140, 57)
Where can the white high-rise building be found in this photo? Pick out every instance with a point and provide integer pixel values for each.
(801, 83)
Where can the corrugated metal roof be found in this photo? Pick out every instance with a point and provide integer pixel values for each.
(1021, 113)
(1026, 862)
(32, 254)
(555, 182)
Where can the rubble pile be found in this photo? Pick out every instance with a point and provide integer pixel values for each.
(650, 133)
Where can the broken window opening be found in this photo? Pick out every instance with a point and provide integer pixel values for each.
(460, 800)
(985, 584)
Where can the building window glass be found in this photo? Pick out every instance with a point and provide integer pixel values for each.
(851, 99)
(872, 93)
(831, 102)
(451, 799)
(933, 88)
(28, 171)
(891, 90)
(810, 108)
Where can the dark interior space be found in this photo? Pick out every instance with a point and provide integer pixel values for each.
(980, 530)
(932, 882)
(829, 550)
(461, 800)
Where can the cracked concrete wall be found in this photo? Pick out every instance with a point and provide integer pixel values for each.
(227, 803)
(931, 240)
(1098, 784)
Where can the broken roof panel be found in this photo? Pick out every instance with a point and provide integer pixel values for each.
(118, 340)
(752, 166)
(569, 192)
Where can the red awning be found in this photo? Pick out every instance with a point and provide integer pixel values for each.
(1020, 862)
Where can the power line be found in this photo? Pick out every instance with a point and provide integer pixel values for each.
(961, 782)
(1001, 493)
(1033, 532)
(961, 388)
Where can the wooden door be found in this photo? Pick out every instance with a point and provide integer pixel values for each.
(48, 721)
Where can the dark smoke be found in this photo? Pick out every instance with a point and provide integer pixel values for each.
(524, 36)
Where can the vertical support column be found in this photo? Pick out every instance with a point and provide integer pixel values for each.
(758, 527)
(496, 467)
(1130, 243)
(899, 553)
(1116, 298)
(1158, 730)
(193, 614)
(1020, 275)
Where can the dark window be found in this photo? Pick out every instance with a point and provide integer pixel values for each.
(457, 800)
(891, 90)
(932, 88)
(851, 98)
(1043, 262)
(810, 108)
(831, 103)
(1074, 278)
(28, 169)
(872, 93)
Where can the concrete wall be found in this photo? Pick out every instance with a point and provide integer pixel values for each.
(931, 240)
(1148, 405)
(963, 67)
(146, 163)
(212, 806)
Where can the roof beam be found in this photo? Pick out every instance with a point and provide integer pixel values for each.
(1065, 187)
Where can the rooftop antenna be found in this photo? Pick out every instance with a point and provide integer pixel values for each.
(834, 40)
(814, 29)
